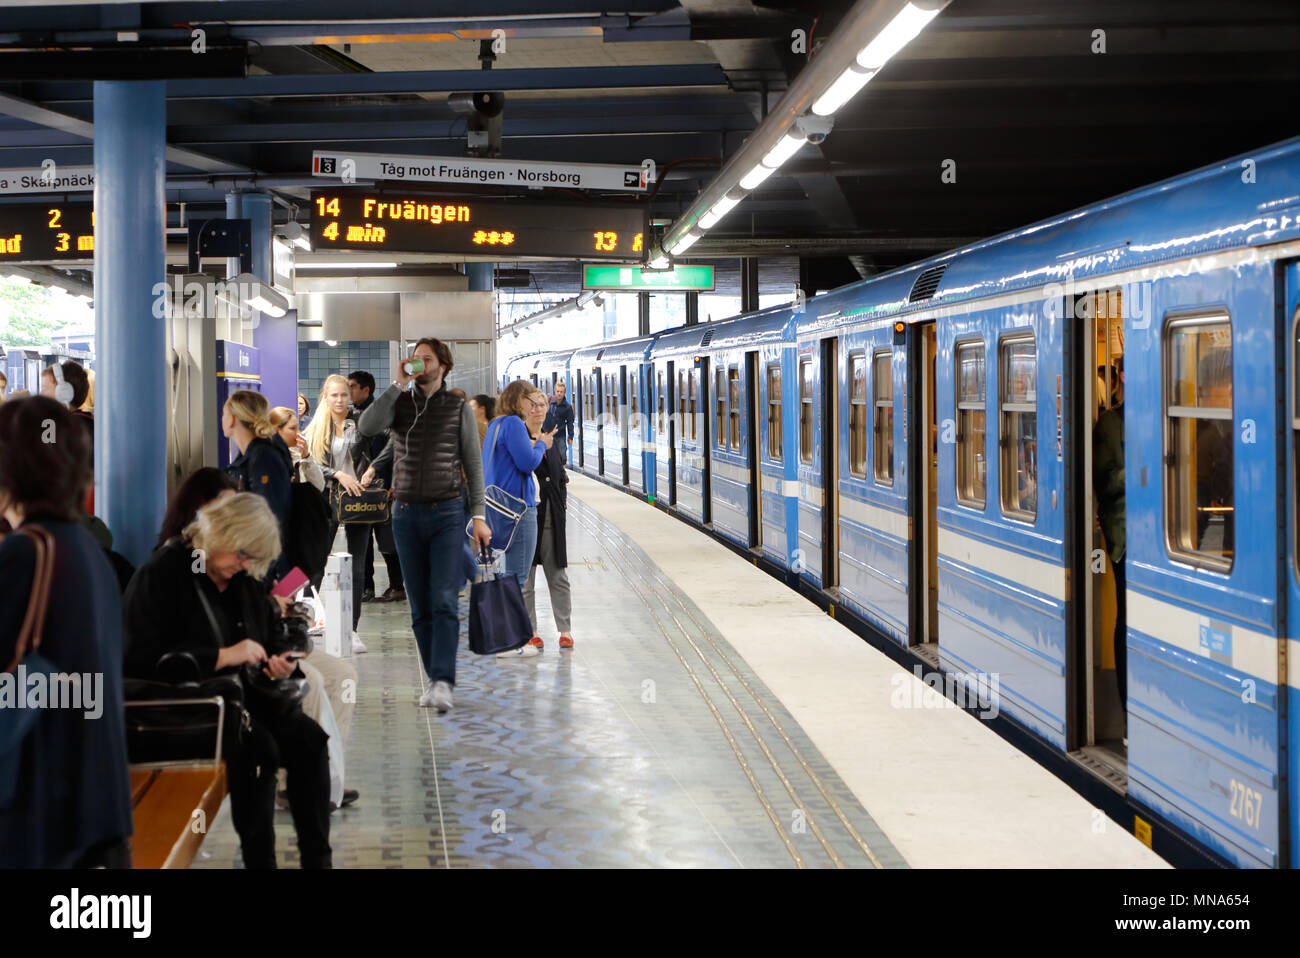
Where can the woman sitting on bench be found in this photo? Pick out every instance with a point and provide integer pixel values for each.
(200, 595)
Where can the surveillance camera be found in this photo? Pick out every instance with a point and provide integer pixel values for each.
(815, 128)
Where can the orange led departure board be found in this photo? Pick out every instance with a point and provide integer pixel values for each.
(443, 223)
(38, 232)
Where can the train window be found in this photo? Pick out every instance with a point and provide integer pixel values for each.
(694, 384)
(858, 414)
(733, 400)
(660, 428)
(681, 404)
(611, 397)
(774, 450)
(1199, 509)
(632, 397)
(720, 402)
(972, 466)
(882, 429)
(1018, 426)
(805, 411)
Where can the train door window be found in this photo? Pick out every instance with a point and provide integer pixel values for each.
(1018, 426)
(720, 402)
(806, 411)
(972, 466)
(659, 429)
(693, 379)
(611, 397)
(1199, 507)
(882, 428)
(632, 396)
(858, 414)
(681, 404)
(774, 450)
(733, 399)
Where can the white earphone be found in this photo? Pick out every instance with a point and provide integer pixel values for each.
(63, 390)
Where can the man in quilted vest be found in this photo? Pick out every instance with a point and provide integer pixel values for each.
(435, 454)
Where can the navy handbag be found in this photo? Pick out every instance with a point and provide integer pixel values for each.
(498, 618)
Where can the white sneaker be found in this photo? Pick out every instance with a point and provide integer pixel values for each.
(441, 695)
(426, 700)
(526, 652)
(357, 645)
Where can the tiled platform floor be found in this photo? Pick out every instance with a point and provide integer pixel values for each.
(652, 744)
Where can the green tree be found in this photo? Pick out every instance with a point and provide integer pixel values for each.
(25, 315)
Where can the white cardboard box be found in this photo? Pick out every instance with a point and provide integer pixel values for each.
(336, 593)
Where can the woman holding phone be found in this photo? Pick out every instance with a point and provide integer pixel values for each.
(217, 612)
(510, 455)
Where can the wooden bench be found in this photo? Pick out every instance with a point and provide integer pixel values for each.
(164, 804)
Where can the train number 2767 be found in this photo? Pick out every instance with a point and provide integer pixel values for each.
(1246, 803)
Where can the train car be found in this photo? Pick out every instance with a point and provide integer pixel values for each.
(937, 448)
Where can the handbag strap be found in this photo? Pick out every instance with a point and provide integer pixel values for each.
(488, 466)
(212, 616)
(31, 632)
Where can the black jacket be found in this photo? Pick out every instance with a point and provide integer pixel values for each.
(554, 481)
(266, 468)
(379, 449)
(163, 612)
(74, 786)
(560, 414)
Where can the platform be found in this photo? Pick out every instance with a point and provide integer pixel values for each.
(708, 717)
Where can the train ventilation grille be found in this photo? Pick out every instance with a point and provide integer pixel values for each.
(708, 338)
(926, 284)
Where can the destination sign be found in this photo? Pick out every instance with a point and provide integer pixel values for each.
(505, 228)
(39, 232)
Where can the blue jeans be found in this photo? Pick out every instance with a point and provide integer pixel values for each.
(519, 557)
(428, 538)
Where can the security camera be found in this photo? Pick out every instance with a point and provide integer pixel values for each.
(815, 128)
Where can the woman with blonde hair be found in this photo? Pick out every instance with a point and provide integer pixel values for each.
(510, 455)
(263, 465)
(306, 469)
(335, 444)
(198, 598)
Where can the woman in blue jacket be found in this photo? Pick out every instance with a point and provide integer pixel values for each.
(509, 457)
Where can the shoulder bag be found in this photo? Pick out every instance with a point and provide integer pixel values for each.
(16, 723)
(504, 511)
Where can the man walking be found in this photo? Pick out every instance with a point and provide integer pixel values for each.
(560, 418)
(434, 439)
(361, 386)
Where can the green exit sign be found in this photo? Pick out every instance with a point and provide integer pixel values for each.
(682, 279)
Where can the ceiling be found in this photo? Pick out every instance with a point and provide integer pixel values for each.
(1015, 93)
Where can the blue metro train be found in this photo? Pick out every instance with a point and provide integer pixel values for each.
(915, 450)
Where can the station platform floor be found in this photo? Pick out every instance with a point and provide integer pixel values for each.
(708, 717)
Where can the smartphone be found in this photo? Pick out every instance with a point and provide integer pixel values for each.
(293, 580)
(294, 656)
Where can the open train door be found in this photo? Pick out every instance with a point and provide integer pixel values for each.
(1288, 659)
(829, 440)
(751, 442)
(923, 459)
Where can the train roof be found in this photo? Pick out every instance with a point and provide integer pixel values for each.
(1248, 200)
(624, 350)
(769, 325)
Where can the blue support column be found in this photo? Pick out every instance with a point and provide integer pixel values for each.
(130, 247)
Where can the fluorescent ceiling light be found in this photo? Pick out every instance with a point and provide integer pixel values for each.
(331, 342)
(788, 147)
(756, 176)
(718, 210)
(345, 264)
(685, 243)
(901, 31)
(259, 296)
(841, 91)
(659, 262)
